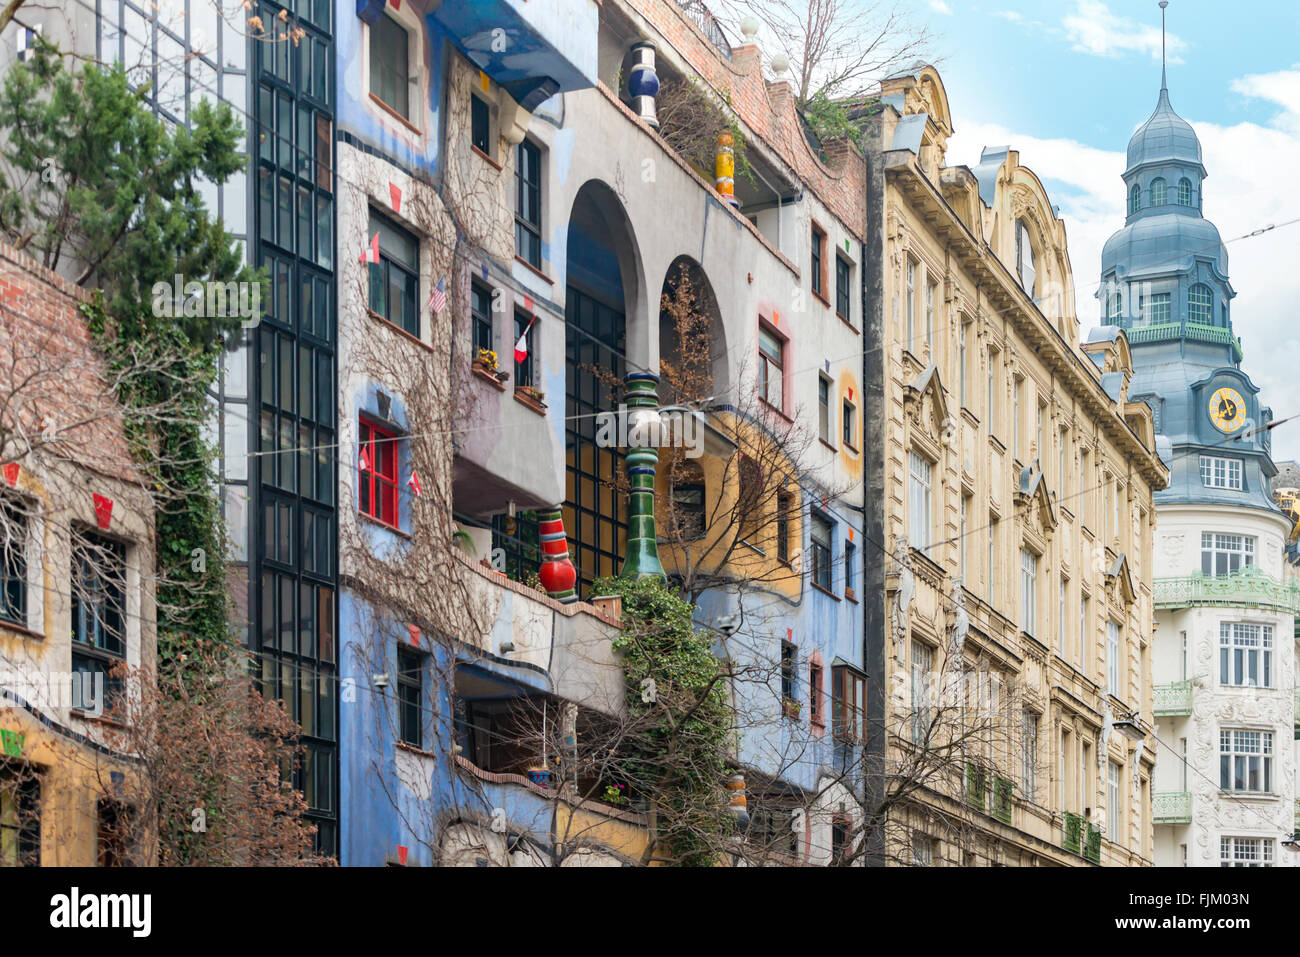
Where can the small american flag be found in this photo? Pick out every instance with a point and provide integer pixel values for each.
(438, 298)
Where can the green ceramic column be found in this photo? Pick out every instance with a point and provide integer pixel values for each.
(642, 554)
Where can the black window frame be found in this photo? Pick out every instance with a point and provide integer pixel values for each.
(843, 282)
(20, 784)
(480, 125)
(849, 424)
(819, 566)
(850, 561)
(105, 622)
(482, 335)
(789, 671)
(528, 203)
(13, 564)
(824, 409)
(410, 696)
(818, 260)
(784, 504)
(381, 274)
(524, 371)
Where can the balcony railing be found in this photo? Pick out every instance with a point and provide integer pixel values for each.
(1194, 332)
(1092, 844)
(1002, 791)
(1172, 807)
(1073, 837)
(1080, 837)
(699, 15)
(1249, 588)
(1173, 699)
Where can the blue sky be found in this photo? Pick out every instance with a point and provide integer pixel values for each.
(1067, 81)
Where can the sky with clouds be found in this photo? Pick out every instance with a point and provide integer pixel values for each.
(1066, 82)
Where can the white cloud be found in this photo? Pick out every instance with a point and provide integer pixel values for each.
(1008, 15)
(1095, 30)
(1281, 88)
(938, 6)
(1250, 168)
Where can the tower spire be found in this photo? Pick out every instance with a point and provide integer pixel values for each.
(1164, 87)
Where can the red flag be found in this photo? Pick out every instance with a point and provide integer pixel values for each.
(528, 303)
(11, 472)
(415, 634)
(103, 510)
(395, 196)
(414, 482)
(401, 854)
(521, 347)
(364, 464)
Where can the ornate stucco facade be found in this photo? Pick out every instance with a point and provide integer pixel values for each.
(1225, 652)
(1016, 499)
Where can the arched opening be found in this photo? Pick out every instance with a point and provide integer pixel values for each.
(692, 341)
(1184, 192)
(601, 291)
(1158, 193)
(1134, 199)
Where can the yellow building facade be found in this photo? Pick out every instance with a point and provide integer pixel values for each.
(1012, 642)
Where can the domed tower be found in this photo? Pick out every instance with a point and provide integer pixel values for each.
(1164, 281)
(1224, 635)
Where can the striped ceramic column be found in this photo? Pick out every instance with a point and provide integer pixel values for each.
(724, 167)
(557, 572)
(642, 553)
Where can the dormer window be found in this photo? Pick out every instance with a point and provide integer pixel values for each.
(1024, 257)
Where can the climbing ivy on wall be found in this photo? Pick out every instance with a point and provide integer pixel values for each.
(677, 745)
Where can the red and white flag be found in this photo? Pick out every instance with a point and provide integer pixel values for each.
(414, 482)
(364, 462)
(521, 347)
(371, 255)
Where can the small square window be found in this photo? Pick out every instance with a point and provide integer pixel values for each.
(479, 124)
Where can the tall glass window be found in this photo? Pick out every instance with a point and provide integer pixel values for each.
(1200, 305)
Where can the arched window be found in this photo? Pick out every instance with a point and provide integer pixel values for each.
(1200, 305)
(1025, 257)
(1116, 304)
(1184, 192)
(1158, 191)
(1135, 198)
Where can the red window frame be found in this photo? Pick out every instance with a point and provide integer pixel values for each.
(377, 485)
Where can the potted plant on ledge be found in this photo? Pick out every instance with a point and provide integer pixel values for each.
(532, 397)
(486, 365)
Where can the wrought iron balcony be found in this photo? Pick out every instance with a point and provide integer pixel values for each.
(1247, 588)
(1172, 807)
(1173, 699)
(708, 24)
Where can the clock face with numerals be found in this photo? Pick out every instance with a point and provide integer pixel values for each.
(1227, 410)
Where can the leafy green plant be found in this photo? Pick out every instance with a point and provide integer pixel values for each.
(677, 748)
